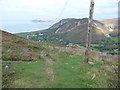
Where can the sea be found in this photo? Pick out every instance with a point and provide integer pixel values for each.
(24, 26)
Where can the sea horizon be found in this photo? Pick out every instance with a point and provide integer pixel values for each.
(24, 26)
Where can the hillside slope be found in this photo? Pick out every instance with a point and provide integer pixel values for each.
(73, 30)
(16, 48)
(58, 66)
(113, 23)
(76, 30)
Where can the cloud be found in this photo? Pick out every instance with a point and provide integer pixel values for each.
(52, 8)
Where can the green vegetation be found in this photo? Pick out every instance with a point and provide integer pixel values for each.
(56, 60)
(17, 48)
(46, 65)
(108, 45)
(26, 75)
(69, 72)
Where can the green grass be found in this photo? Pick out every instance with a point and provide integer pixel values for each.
(116, 39)
(33, 76)
(70, 72)
(76, 74)
(69, 69)
(29, 75)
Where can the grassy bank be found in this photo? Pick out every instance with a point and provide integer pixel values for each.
(30, 64)
(68, 69)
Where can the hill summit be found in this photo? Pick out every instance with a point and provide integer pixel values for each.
(75, 30)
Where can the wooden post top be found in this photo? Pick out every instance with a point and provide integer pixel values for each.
(92, 1)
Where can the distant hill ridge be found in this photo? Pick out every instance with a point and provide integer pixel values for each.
(71, 24)
(74, 30)
(113, 23)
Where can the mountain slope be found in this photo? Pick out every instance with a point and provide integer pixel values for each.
(67, 25)
(17, 48)
(75, 30)
(58, 66)
(112, 23)
(72, 30)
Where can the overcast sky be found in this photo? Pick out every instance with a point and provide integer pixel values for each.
(51, 9)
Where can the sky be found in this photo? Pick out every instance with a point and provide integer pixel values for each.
(20, 10)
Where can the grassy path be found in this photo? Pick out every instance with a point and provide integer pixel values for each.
(50, 70)
(62, 70)
(49, 62)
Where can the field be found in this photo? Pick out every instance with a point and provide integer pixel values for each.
(30, 64)
(60, 69)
